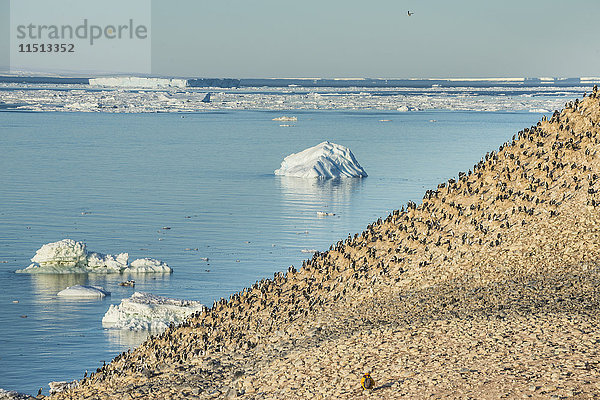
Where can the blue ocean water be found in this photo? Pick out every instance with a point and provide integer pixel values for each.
(115, 180)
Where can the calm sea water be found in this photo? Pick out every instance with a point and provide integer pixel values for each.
(114, 181)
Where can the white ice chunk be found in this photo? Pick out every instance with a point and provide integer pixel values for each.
(98, 262)
(322, 214)
(84, 292)
(68, 256)
(148, 265)
(64, 253)
(325, 160)
(145, 311)
(285, 118)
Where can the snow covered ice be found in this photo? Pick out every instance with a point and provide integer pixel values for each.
(148, 265)
(66, 253)
(138, 82)
(145, 311)
(69, 256)
(159, 96)
(81, 291)
(324, 161)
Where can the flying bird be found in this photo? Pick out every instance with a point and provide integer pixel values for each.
(410, 13)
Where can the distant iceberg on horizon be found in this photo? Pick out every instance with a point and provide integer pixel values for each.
(139, 82)
(68, 256)
(324, 161)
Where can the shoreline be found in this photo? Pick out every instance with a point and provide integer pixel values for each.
(457, 296)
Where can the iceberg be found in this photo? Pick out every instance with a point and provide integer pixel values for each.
(138, 82)
(324, 161)
(65, 253)
(69, 256)
(145, 311)
(98, 261)
(81, 291)
(142, 265)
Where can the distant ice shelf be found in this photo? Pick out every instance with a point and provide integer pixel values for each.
(69, 256)
(324, 161)
(145, 311)
(139, 82)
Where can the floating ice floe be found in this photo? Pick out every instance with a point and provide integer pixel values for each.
(81, 291)
(285, 118)
(324, 161)
(98, 261)
(148, 265)
(321, 214)
(69, 256)
(539, 111)
(145, 311)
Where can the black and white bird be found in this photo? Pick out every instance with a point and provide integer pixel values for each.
(410, 13)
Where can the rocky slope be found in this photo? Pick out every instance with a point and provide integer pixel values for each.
(487, 289)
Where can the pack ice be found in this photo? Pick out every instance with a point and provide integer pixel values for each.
(69, 256)
(323, 161)
(145, 311)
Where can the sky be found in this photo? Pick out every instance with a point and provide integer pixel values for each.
(377, 39)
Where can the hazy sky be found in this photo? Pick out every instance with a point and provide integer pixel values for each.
(334, 38)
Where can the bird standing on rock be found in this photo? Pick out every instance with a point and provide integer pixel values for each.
(367, 382)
